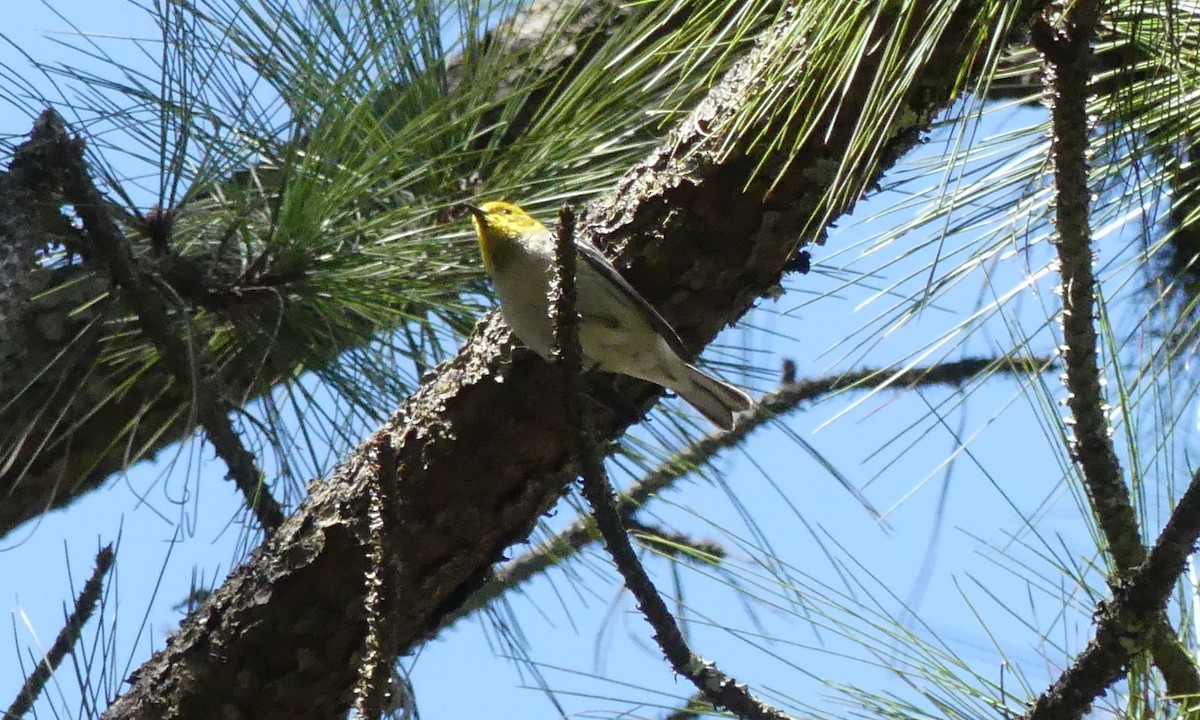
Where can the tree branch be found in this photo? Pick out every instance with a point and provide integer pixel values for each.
(85, 606)
(1069, 63)
(1129, 620)
(50, 138)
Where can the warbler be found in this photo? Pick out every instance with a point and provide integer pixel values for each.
(619, 331)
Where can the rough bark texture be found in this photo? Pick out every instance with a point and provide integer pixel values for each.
(481, 449)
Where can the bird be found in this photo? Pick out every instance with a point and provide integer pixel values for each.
(619, 330)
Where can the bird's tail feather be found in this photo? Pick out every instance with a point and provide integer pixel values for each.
(718, 401)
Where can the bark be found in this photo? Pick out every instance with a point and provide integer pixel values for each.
(481, 450)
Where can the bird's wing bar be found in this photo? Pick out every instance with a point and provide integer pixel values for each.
(601, 264)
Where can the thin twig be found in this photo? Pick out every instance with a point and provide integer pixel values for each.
(777, 403)
(717, 687)
(85, 606)
(1069, 55)
(110, 246)
(1067, 50)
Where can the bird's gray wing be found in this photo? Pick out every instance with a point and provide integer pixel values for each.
(594, 258)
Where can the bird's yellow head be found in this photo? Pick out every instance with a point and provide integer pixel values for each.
(501, 227)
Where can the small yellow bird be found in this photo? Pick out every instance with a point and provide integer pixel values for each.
(619, 331)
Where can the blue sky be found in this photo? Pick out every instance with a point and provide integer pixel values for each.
(940, 554)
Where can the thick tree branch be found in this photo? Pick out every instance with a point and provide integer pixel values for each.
(480, 453)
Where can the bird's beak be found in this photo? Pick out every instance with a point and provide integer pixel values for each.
(474, 209)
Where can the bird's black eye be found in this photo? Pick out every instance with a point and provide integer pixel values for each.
(506, 211)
